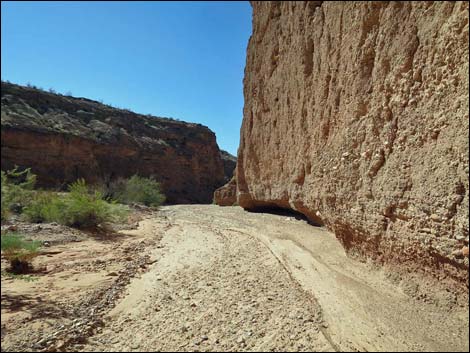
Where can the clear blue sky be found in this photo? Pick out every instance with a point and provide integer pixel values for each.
(176, 59)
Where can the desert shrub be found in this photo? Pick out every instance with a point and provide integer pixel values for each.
(17, 188)
(117, 212)
(111, 190)
(4, 211)
(44, 207)
(18, 252)
(139, 190)
(84, 208)
(81, 207)
(4, 202)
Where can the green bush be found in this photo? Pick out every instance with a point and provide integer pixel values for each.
(16, 190)
(139, 190)
(4, 207)
(80, 208)
(18, 251)
(111, 190)
(44, 207)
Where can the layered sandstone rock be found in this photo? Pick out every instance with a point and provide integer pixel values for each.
(226, 195)
(230, 162)
(356, 115)
(63, 138)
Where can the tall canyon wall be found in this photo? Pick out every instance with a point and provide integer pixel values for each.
(356, 115)
(64, 138)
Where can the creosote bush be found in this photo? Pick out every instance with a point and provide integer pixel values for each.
(16, 190)
(44, 207)
(83, 206)
(137, 189)
(4, 207)
(80, 208)
(18, 252)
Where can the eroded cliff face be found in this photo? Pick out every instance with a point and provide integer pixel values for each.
(356, 115)
(64, 138)
(226, 195)
(230, 162)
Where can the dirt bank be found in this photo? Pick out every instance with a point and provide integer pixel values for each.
(226, 279)
(210, 278)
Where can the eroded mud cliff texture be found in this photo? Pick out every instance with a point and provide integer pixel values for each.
(63, 138)
(356, 115)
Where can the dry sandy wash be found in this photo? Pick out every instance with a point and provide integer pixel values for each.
(210, 278)
(225, 279)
